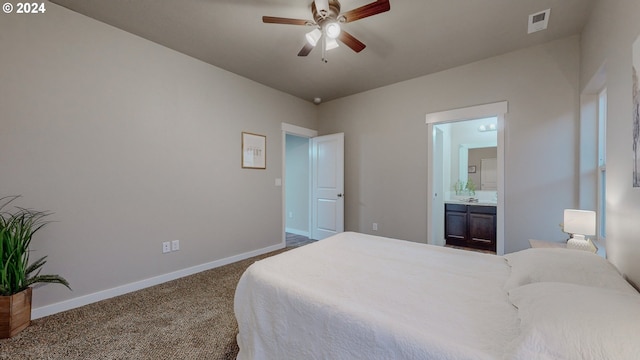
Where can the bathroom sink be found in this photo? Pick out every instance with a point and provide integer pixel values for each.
(469, 200)
(473, 200)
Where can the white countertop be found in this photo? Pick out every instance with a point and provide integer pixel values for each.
(461, 202)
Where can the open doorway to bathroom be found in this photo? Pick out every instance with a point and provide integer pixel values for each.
(466, 177)
(468, 183)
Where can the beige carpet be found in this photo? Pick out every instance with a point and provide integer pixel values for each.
(188, 318)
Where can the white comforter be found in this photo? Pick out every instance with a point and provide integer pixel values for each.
(356, 296)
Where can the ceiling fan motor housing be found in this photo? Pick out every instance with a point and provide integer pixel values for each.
(321, 17)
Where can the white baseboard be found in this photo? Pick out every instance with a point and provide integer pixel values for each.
(139, 285)
(297, 232)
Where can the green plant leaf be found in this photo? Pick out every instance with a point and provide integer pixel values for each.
(17, 228)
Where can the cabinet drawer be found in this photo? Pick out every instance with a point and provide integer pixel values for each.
(479, 209)
(455, 207)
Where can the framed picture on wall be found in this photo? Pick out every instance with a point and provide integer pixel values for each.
(472, 169)
(254, 151)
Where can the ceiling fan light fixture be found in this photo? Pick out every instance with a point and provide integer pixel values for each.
(313, 36)
(331, 43)
(327, 22)
(332, 29)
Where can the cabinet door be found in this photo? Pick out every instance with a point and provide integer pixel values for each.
(455, 227)
(482, 231)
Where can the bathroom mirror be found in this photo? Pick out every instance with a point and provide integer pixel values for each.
(482, 167)
(458, 139)
(478, 151)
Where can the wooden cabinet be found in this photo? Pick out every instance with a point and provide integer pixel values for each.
(455, 224)
(472, 226)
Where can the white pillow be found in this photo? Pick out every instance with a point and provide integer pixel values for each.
(563, 265)
(567, 321)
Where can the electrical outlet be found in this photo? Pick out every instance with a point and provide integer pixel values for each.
(175, 245)
(166, 247)
(290, 214)
(374, 227)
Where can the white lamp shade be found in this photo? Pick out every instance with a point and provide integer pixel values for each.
(332, 30)
(313, 36)
(580, 222)
(331, 43)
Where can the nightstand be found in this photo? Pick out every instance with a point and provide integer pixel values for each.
(546, 244)
(600, 249)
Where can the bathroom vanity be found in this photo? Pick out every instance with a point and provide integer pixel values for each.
(470, 225)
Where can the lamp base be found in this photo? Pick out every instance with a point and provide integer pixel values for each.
(581, 244)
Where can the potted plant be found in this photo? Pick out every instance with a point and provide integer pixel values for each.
(470, 187)
(16, 273)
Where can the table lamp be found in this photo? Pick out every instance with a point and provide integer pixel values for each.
(580, 223)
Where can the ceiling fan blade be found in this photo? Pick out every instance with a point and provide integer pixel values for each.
(306, 49)
(285, 21)
(362, 12)
(348, 39)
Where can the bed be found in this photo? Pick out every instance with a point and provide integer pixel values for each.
(357, 296)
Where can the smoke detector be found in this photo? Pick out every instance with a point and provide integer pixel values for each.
(539, 21)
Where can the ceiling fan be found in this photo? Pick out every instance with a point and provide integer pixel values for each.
(326, 22)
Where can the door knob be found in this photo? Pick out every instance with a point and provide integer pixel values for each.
(339, 195)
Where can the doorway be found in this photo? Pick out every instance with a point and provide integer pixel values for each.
(313, 187)
(296, 170)
(296, 185)
(445, 176)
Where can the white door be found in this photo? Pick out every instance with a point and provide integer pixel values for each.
(327, 164)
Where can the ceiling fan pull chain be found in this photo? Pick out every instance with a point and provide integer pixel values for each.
(324, 48)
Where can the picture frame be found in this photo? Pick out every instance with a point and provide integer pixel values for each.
(472, 169)
(254, 151)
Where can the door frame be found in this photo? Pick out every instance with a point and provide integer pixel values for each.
(438, 231)
(497, 109)
(301, 132)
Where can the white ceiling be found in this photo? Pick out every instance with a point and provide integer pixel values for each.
(415, 38)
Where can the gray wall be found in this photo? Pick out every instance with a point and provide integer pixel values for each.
(132, 144)
(607, 39)
(386, 141)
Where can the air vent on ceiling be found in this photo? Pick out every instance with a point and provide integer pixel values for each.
(539, 21)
